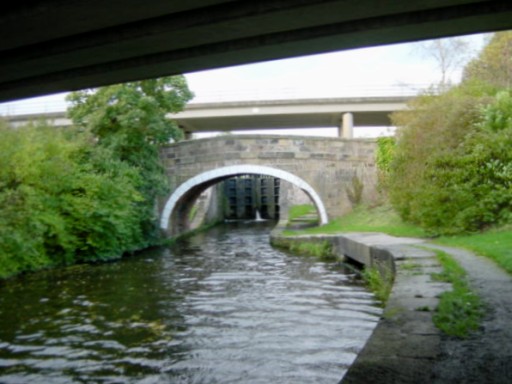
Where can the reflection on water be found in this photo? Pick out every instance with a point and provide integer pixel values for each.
(222, 307)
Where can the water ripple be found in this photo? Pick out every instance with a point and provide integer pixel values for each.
(223, 307)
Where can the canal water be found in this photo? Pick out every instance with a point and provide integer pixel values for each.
(221, 307)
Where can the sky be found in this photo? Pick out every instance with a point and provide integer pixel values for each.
(384, 70)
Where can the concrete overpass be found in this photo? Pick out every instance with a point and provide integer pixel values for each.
(49, 46)
(269, 114)
(342, 113)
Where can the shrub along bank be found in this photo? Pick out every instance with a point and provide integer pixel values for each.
(88, 193)
(451, 168)
(63, 201)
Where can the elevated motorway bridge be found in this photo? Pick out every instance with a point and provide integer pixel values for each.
(343, 113)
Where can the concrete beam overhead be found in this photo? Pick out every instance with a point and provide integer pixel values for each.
(49, 46)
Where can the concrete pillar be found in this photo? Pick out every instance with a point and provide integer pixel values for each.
(346, 130)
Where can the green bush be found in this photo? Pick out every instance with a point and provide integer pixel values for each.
(451, 170)
(62, 200)
(458, 178)
(87, 194)
(131, 121)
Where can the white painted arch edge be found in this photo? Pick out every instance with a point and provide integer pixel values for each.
(240, 170)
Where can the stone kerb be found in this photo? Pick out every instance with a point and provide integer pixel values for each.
(405, 345)
(327, 164)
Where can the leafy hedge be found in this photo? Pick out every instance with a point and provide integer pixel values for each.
(88, 193)
(62, 200)
(452, 171)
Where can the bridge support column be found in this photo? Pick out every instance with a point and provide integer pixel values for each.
(346, 129)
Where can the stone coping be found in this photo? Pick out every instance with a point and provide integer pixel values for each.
(405, 344)
(263, 136)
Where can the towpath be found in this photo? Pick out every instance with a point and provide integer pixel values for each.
(486, 356)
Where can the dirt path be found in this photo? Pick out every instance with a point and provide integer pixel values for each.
(486, 356)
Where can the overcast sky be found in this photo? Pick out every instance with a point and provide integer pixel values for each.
(355, 71)
(380, 70)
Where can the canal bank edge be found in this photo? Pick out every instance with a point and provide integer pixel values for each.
(405, 344)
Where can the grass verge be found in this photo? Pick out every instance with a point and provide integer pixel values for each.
(460, 310)
(297, 211)
(364, 219)
(319, 249)
(495, 244)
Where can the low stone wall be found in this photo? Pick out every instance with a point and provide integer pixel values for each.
(405, 344)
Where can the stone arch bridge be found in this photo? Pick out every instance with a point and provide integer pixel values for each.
(326, 169)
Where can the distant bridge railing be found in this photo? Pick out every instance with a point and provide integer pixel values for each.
(56, 103)
(290, 93)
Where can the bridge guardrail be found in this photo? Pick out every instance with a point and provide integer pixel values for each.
(43, 106)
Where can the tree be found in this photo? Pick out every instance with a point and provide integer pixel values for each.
(451, 170)
(131, 120)
(493, 66)
(63, 200)
(449, 54)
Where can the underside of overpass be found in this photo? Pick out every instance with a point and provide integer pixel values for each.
(48, 46)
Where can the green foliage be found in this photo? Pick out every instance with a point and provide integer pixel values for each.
(131, 121)
(87, 194)
(493, 66)
(460, 310)
(322, 250)
(131, 114)
(379, 283)
(383, 159)
(451, 171)
(62, 200)
(458, 178)
(385, 153)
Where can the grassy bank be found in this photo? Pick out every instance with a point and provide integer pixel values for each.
(495, 244)
(364, 219)
(320, 249)
(297, 211)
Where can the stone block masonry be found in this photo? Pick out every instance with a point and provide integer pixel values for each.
(328, 165)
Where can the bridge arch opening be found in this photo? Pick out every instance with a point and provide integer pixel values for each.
(183, 197)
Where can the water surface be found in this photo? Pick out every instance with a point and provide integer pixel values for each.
(222, 307)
